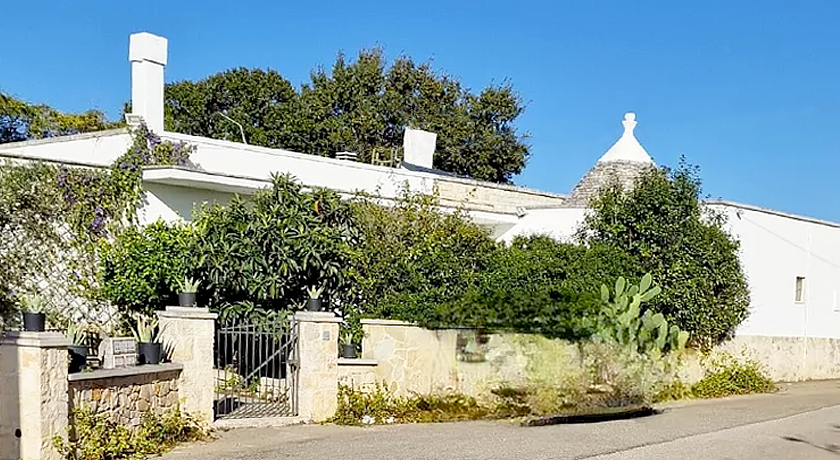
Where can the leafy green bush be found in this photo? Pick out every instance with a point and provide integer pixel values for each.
(264, 253)
(664, 229)
(96, 437)
(141, 268)
(413, 257)
(731, 377)
(380, 406)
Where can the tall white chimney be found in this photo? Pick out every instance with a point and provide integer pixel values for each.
(147, 54)
(419, 147)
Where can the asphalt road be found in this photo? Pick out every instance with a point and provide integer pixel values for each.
(801, 421)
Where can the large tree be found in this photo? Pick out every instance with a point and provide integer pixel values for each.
(663, 226)
(21, 121)
(360, 106)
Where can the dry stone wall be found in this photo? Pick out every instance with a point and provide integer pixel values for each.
(126, 397)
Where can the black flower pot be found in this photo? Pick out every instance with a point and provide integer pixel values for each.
(78, 358)
(34, 322)
(314, 305)
(348, 350)
(186, 299)
(148, 353)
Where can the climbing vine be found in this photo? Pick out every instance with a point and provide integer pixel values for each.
(54, 219)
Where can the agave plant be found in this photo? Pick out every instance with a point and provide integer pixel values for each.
(75, 334)
(188, 285)
(33, 303)
(146, 330)
(315, 292)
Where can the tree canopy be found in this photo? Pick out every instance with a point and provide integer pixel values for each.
(361, 106)
(666, 231)
(21, 121)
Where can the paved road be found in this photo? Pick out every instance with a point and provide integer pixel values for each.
(802, 421)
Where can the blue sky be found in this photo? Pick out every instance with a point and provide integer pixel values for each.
(749, 90)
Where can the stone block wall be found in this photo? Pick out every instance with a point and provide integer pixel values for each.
(411, 359)
(493, 197)
(126, 393)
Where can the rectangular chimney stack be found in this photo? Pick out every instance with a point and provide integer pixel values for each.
(147, 54)
(419, 148)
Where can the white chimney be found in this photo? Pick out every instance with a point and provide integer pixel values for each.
(419, 147)
(147, 54)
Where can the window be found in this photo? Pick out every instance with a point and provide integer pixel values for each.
(800, 289)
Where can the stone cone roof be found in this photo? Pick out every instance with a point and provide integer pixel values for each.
(623, 162)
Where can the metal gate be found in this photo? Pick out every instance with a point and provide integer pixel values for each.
(256, 370)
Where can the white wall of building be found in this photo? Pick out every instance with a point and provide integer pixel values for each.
(174, 204)
(775, 250)
(560, 224)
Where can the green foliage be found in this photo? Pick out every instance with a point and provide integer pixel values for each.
(58, 216)
(381, 406)
(188, 285)
(21, 121)
(141, 266)
(536, 285)
(75, 334)
(315, 292)
(99, 438)
(413, 257)
(32, 303)
(361, 106)
(623, 322)
(261, 255)
(663, 228)
(730, 377)
(146, 330)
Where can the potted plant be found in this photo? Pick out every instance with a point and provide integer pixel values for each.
(314, 303)
(77, 348)
(187, 289)
(348, 348)
(34, 318)
(148, 335)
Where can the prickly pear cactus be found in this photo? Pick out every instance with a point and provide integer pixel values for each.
(622, 320)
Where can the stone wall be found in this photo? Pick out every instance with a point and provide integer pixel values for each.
(412, 359)
(493, 197)
(126, 393)
(33, 394)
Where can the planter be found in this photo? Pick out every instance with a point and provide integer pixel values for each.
(78, 358)
(348, 350)
(148, 353)
(34, 322)
(314, 305)
(186, 299)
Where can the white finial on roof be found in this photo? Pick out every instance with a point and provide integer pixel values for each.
(627, 148)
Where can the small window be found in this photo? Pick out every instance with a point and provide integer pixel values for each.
(800, 289)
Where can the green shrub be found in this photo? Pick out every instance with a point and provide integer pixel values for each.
(731, 377)
(264, 253)
(96, 437)
(665, 230)
(141, 268)
(381, 406)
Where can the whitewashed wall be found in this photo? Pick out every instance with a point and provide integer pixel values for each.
(775, 249)
(560, 224)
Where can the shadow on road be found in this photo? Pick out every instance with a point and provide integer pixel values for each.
(831, 448)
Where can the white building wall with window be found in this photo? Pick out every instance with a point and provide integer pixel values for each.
(776, 249)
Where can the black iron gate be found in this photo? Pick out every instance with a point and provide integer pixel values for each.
(256, 370)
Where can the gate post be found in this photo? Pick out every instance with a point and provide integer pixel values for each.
(188, 335)
(33, 394)
(318, 358)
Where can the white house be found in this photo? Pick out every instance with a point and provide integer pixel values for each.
(792, 262)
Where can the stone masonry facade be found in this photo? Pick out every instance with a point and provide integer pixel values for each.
(126, 398)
